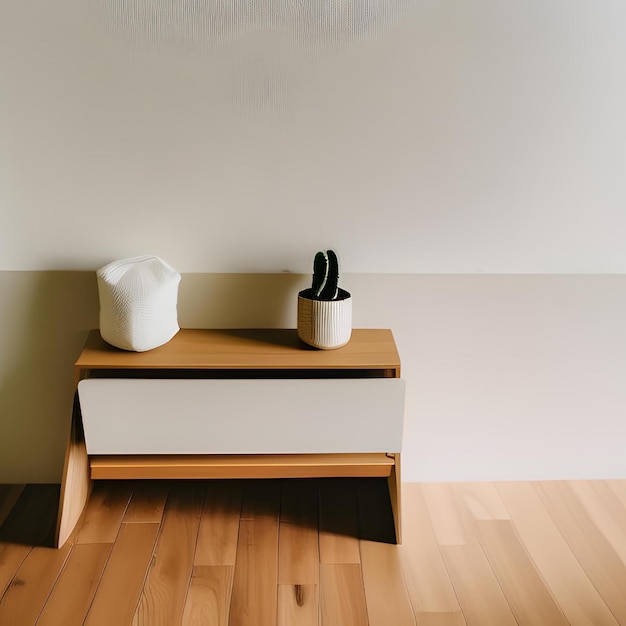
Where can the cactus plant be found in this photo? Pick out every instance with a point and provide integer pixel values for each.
(325, 284)
(324, 309)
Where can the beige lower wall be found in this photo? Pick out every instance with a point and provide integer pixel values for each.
(43, 317)
(508, 376)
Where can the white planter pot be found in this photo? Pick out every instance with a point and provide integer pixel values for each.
(325, 324)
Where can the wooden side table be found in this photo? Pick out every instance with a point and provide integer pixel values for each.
(252, 403)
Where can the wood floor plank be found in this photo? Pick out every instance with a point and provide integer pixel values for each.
(452, 523)
(568, 583)
(618, 487)
(74, 590)
(382, 580)
(338, 521)
(219, 524)
(342, 597)
(120, 587)
(527, 595)
(12, 556)
(427, 580)
(591, 547)
(603, 489)
(9, 495)
(28, 591)
(606, 511)
(104, 512)
(441, 619)
(298, 605)
(254, 597)
(476, 586)
(481, 499)
(164, 593)
(147, 502)
(298, 546)
(208, 598)
(298, 555)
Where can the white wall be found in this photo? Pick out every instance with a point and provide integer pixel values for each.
(438, 137)
(465, 159)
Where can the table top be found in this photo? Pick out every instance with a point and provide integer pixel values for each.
(246, 349)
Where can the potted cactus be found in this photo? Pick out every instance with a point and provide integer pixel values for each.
(324, 309)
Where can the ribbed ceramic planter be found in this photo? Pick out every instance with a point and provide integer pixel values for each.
(325, 324)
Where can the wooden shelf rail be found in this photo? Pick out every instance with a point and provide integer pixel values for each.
(241, 466)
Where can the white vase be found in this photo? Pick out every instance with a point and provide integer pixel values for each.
(138, 303)
(324, 324)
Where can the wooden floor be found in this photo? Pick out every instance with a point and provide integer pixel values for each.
(317, 552)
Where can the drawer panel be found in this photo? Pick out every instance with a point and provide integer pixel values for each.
(270, 416)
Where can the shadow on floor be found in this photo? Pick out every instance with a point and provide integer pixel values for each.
(32, 520)
(352, 507)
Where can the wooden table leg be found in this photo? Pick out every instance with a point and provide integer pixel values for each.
(76, 481)
(395, 496)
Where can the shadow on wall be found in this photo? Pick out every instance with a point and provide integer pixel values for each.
(44, 320)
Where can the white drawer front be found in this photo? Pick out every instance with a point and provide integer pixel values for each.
(174, 416)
